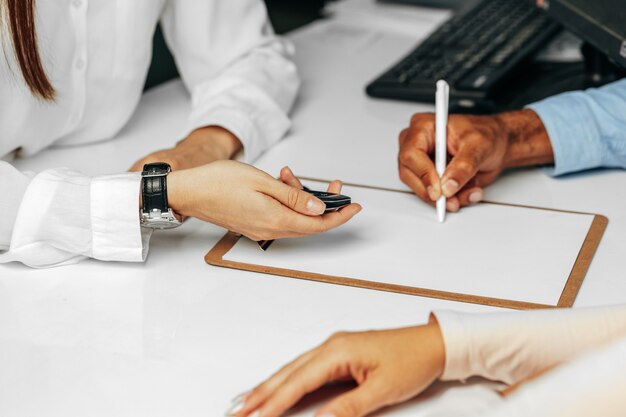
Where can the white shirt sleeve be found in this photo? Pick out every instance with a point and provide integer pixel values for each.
(512, 346)
(239, 73)
(61, 216)
(592, 385)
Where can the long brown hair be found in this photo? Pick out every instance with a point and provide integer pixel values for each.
(20, 16)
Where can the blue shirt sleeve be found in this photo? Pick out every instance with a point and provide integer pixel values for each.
(587, 129)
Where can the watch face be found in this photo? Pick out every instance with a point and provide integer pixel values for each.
(162, 224)
(166, 220)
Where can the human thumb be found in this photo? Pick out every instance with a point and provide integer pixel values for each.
(298, 200)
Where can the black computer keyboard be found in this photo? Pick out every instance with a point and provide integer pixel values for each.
(476, 52)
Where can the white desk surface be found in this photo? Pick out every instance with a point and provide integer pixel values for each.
(175, 336)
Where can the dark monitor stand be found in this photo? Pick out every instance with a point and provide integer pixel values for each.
(539, 80)
(440, 4)
(600, 23)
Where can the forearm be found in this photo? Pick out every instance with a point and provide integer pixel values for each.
(513, 346)
(529, 143)
(592, 385)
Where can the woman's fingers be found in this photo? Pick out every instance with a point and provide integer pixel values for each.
(306, 225)
(287, 176)
(247, 403)
(305, 379)
(335, 187)
(363, 400)
(389, 366)
(295, 198)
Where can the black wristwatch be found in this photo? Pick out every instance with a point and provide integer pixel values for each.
(155, 212)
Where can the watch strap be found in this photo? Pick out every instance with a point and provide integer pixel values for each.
(154, 185)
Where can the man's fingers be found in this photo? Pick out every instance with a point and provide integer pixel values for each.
(462, 168)
(452, 204)
(473, 192)
(368, 397)
(415, 155)
(409, 178)
(470, 195)
(402, 136)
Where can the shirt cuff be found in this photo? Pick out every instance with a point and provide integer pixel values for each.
(456, 342)
(116, 231)
(241, 108)
(571, 129)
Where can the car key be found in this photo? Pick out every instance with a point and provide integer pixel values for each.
(333, 203)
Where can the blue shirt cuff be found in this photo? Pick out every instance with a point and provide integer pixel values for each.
(570, 128)
(587, 129)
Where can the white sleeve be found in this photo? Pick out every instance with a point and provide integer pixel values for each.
(61, 216)
(239, 73)
(592, 385)
(512, 346)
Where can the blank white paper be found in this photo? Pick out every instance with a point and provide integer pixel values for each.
(488, 250)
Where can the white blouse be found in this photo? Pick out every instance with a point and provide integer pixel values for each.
(582, 350)
(97, 53)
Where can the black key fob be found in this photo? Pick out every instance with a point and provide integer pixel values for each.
(333, 201)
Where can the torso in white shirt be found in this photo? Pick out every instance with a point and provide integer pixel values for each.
(97, 67)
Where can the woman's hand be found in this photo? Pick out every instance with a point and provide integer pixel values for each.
(389, 367)
(248, 201)
(201, 147)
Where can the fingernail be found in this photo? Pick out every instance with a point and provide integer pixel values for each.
(240, 398)
(452, 206)
(235, 408)
(315, 206)
(476, 196)
(257, 413)
(326, 415)
(431, 193)
(450, 187)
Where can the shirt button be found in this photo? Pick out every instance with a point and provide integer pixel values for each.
(77, 3)
(80, 64)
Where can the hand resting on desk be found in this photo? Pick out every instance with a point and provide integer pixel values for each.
(389, 366)
(557, 362)
(247, 200)
(201, 147)
(480, 148)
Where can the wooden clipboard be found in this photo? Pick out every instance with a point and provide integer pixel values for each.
(577, 274)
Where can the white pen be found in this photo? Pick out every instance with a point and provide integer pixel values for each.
(441, 139)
